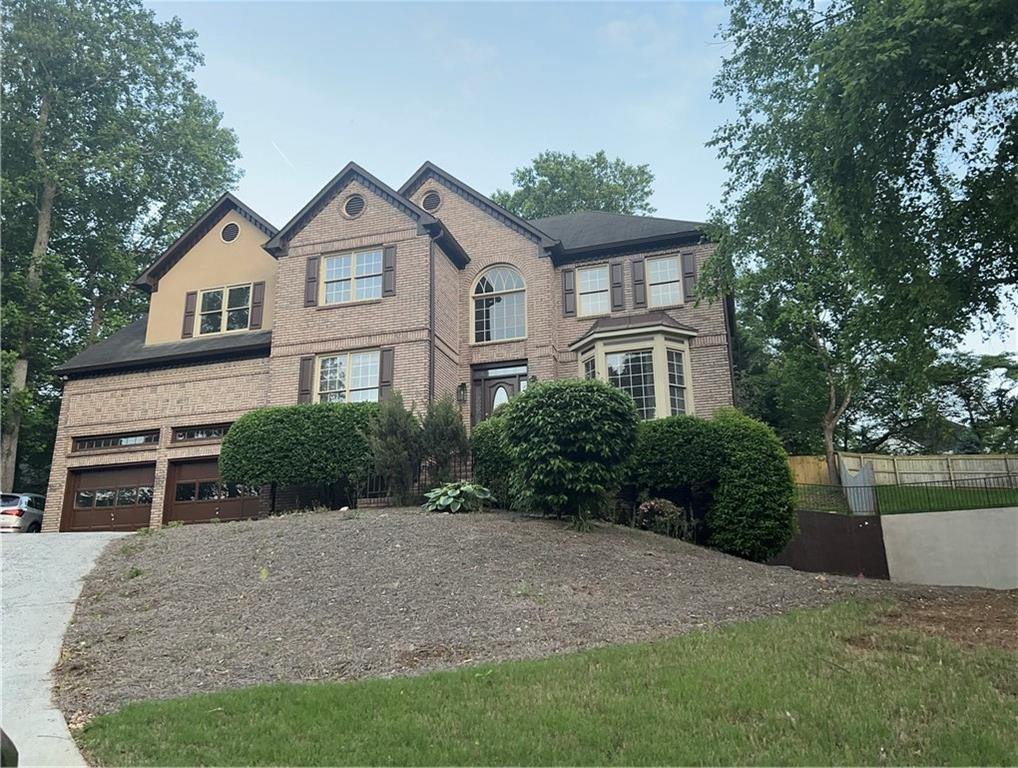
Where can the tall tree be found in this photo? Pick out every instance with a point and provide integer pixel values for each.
(556, 183)
(108, 149)
(869, 214)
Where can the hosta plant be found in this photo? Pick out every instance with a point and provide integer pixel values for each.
(462, 496)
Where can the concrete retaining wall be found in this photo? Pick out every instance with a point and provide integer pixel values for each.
(971, 548)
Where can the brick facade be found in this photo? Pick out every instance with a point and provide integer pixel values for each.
(427, 324)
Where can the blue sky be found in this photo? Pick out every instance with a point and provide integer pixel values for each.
(478, 88)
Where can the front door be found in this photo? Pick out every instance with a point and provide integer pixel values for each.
(494, 386)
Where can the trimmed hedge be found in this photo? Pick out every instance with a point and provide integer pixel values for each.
(493, 463)
(317, 444)
(730, 471)
(569, 440)
(752, 515)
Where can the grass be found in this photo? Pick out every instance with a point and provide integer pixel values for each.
(830, 686)
(896, 499)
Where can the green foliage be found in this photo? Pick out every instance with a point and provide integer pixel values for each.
(109, 151)
(462, 496)
(396, 442)
(557, 183)
(444, 437)
(752, 515)
(492, 460)
(664, 517)
(569, 440)
(319, 444)
(674, 457)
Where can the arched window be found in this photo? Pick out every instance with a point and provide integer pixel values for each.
(500, 305)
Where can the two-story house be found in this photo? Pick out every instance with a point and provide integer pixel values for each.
(431, 289)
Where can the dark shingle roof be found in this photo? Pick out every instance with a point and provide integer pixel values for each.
(126, 349)
(651, 319)
(590, 230)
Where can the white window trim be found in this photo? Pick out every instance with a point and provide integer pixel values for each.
(646, 270)
(473, 314)
(224, 309)
(580, 312)
(349, 368)
(659, 344)
(354, 277)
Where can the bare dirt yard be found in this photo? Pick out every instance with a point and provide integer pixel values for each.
(337, 596)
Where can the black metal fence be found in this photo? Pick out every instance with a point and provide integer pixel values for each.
(992, 491)
(428, 476)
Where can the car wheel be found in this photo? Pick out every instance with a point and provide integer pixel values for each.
(34, 528)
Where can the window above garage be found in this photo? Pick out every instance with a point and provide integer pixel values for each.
(122, 440)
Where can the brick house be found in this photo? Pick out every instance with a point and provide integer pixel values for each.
(431, 289)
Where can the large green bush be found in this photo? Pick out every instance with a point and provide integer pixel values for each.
(752, 514)
(569, 440)
(674, 458)
(321, 444)
(493, 462)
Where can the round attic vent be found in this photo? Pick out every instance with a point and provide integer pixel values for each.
(431, 201)
(354, 206)
(230, 232)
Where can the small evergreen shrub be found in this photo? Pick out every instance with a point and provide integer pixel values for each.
(569, 440)
(457, 497)
(444, 438)
(664, 517)
(396, 442)
(320, 444)
(492, 460)
(752, 513)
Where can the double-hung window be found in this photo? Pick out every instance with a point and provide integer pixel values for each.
(352, 277)
(348, 377)
(593, 290)
(633, 372)
(676, 382)
(664, 281)
(224, 309)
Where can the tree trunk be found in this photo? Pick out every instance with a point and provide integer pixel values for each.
(44, 221)
(832, 460)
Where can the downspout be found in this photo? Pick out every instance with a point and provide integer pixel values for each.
(431, 321)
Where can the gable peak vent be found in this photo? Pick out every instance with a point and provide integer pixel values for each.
(229, 232)
(354, 206)
(432, 200)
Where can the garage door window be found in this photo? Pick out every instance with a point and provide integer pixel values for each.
(185, 492)
(212, 490)
(129, 496)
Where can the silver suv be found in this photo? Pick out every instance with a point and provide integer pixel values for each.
(21, 512)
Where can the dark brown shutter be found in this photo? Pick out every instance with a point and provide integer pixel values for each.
(389, 270)
(639, 284)
(311, 282)
(688, 276)
(190, 307)
(386, 371)
(257, 305)
(305, 386)
(569, 292)
(617, 291)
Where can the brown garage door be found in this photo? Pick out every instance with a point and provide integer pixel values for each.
(195, 494)
(113, 499)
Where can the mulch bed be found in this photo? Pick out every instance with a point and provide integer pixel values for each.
(337, 596)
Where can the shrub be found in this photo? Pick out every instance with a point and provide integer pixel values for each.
(664, 517)
(752, 513)
(444, 438)
(461, 496)
(321, 444)
(396, 446)
(493, 463)
(569, 440)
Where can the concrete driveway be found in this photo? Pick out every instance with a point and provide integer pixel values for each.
(40, 579)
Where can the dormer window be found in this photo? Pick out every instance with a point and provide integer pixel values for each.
(224, 309)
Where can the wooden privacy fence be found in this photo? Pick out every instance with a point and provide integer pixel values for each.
(809, 470)
(900, 470)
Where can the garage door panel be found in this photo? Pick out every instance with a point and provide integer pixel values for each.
(197, 495)
(110, 499)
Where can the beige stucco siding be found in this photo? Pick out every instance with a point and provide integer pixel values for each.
(212, 263)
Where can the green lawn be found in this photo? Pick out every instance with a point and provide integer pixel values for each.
(814, 687)
(895, 499)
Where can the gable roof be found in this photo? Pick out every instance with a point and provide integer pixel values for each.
(126, 350)
(526, 228)
(351, 172)
(597, 230)
(148, 279)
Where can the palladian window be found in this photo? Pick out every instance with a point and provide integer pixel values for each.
(500, 306)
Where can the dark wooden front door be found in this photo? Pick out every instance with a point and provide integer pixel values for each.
(195, 494)
(496, 385)
(111, 499)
